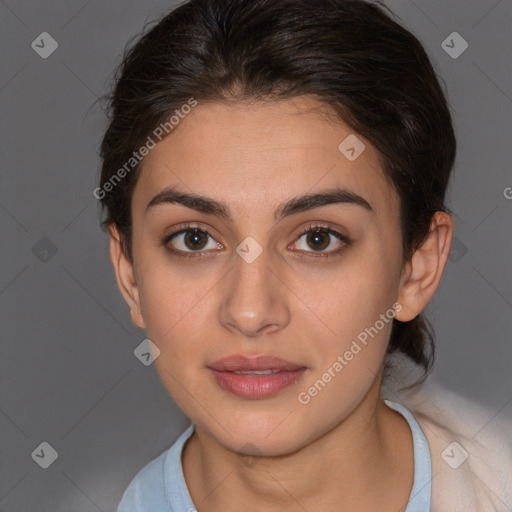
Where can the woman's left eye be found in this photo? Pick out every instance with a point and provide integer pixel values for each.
(321, 240)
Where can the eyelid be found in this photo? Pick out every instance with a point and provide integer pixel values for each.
(322, 226)
(319, 226)
(328, 228)
(183, 228)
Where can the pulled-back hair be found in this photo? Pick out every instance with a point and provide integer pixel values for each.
(348, 54)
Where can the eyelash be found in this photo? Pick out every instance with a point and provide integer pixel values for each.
(326, 229)
(185, 254)
(307, 254)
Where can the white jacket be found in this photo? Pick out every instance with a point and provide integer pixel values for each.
(470, 447)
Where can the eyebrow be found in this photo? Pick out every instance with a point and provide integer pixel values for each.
(292, 206)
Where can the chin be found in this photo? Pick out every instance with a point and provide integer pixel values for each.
(259, 435)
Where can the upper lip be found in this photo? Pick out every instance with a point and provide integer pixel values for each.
(264, 362)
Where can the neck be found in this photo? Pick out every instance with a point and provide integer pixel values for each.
(353, 466)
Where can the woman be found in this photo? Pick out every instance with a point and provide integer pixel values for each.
(274, 176)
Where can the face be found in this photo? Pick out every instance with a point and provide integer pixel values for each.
(293, 253)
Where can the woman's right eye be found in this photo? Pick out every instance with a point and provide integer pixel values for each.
(191, 240)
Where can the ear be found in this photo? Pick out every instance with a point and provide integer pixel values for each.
(125, 277)
(423, 272)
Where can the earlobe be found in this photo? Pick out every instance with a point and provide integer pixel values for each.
(422, 274)
(123, 269)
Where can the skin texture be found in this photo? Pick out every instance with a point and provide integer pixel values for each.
(345, 449)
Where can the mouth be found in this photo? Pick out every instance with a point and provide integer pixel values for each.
(255, 378)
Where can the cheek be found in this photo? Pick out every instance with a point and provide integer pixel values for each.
(173, 303)
(175, 312)
(351, 333)
(344, 300)
(356, 315)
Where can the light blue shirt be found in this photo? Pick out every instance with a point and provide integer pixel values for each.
(160, 485)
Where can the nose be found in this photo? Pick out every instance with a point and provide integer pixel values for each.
(254, 300)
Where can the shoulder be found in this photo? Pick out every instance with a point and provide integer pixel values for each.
(470, 446)
(148, 489)
(471, 456)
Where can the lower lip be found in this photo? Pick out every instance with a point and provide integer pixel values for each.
(256, 386)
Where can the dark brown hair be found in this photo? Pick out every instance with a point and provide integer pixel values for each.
(349, 54)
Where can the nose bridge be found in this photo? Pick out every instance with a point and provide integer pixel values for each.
(252, 301)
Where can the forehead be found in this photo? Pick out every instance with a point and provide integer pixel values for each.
(262, 153)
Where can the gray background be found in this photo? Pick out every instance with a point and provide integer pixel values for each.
(68, 373)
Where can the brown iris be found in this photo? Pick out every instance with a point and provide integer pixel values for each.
(318, 239)
(195, 239)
